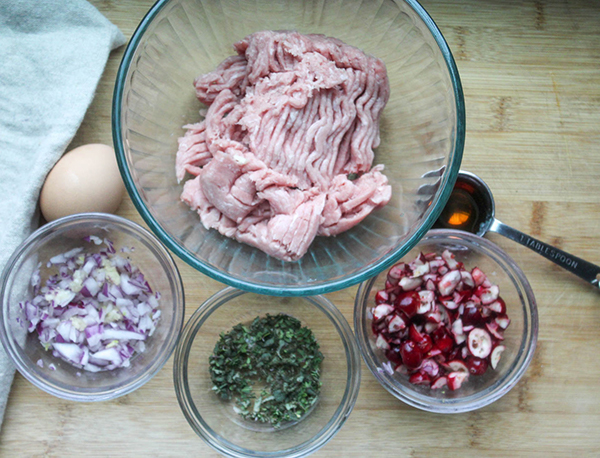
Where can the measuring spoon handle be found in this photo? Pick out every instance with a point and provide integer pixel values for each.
(583, 269)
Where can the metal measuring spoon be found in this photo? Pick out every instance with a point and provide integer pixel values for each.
(471, 208)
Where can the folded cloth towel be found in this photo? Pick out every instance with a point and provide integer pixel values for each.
(52, 54)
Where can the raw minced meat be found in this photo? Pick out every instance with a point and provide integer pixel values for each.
(289, 119)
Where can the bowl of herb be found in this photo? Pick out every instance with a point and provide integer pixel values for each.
(266, 376)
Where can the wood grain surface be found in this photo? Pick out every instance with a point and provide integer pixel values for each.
(531, 77)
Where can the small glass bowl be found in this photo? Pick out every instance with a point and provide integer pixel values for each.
(520, 336)
(216, 422)
(67, 381)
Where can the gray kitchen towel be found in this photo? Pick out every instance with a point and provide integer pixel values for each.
(52, 54)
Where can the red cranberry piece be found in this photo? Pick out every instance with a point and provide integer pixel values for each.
(375, 328)
(467, 279)
(393, 354)
(414, 334)
(439, 382)
(391, 289)
(498, 306)
(420, 379)
(476, 366)
(459, 296)
(408, 302)
(382, 342)
(454, 353)
(382, 297)
(426, 344)
(479, 343)
(495, 330)
(442, 340)
(381, 311)
(430, 367)
(478, 276)
(396, 273)
(456, 366)
(434, 352)
(490, 295)
(503, 321)
(409, 283)
(472, 317)
(448, 282)
(429, 255)
(411, 355)
(456, 379)
(396, 323)
(495, 355)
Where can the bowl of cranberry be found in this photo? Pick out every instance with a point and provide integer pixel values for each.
(452, 327)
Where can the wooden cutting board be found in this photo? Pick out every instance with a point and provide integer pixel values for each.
(531, 77)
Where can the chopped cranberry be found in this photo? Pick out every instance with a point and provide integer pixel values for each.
(414, 334)
(420, 379)
(444, 344)
(503, 321)
(442, 340)
(479, 290)
(456, 379)
(460, 296)
(408, 302)
(411, 355)
(439, 382)
(396, 273)
(454, 353)
(430, 367)
(426, 344)
(476, 366)
(498, 306)
(495, 330)
(390, 288)
(437, 322)
(472, 317)
(393, 354)
(382, 297)
(495, 355)
(478, 276)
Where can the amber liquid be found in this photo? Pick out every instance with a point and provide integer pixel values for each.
(461, 212)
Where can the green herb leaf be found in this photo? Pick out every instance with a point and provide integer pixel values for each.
(275, 351)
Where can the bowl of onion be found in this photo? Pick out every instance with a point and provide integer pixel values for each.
(452, 327)
(92, 307)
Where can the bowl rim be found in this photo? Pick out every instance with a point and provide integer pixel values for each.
(131, 384)
(446, 185)
(201, 428)
(505, 383)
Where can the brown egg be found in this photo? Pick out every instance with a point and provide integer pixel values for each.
(86, 179)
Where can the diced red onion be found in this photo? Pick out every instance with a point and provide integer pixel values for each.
(96, 312)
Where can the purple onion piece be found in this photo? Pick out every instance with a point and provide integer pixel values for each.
(98, 325)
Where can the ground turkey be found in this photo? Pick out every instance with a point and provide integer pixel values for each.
(289, 119)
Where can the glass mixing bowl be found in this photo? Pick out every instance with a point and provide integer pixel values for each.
(25, 350)
(216, 422)
(422, 132)
(520, 337)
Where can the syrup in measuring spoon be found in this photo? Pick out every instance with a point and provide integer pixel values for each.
(462, 211)
(470, 208)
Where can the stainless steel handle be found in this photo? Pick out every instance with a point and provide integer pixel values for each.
(583, 269)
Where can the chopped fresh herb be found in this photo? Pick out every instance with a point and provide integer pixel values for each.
(275, 352)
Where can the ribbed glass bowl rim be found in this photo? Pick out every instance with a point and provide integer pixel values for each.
(194, 418)
(512, 375)
(130, 385)
(446, 185)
